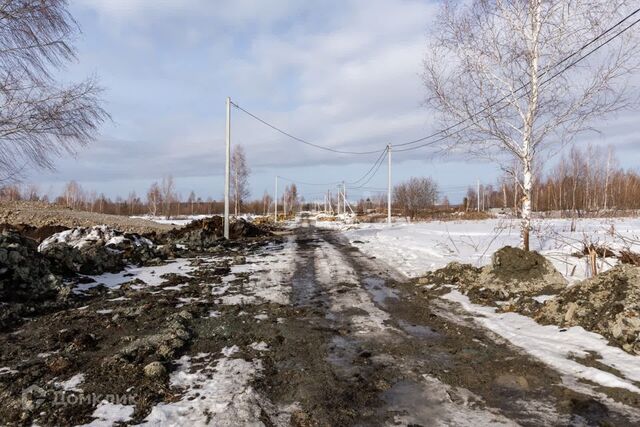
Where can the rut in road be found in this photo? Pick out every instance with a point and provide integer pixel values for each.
(367, 349)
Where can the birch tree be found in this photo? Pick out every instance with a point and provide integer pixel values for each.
(491, 68)
(240, 175)
(41, 118)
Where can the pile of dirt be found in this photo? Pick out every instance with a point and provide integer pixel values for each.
(608, 304)
(25, 274)
(34, 233)
(40, 214)
(99, 249)
(209, 232)
(514, 276)
(453, 273)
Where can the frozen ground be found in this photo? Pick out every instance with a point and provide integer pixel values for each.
(416, 248)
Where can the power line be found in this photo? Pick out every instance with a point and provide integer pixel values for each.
(440, 132)
(295, 138)
(526, 93)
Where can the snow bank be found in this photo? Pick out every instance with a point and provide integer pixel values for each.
(420, 247)
(559, 347)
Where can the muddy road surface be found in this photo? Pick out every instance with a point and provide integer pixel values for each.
(302, 329)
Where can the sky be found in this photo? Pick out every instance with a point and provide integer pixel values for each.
(345, 74)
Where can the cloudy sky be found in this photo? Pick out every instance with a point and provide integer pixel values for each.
(339, 73)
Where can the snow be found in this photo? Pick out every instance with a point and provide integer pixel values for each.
(259, 346)
(182, 220)
(557, 346)
(108, 414)
(150, 275)
(6, 370)
(413, 249)
(72, 383)
(81, 237)
(332, 270)
(216, 392)
(269, 271)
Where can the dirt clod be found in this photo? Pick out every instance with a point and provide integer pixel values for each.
(608, 304)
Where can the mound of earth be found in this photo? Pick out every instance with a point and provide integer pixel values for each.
(453, 273)
(35, 233)
(208, 232)
(96, 250)
(608, 304)
(25, 274)
(514, 275)
(40, 214)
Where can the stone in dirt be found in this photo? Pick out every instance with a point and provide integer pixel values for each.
(208, 232)
(25, 274)
(608, 304)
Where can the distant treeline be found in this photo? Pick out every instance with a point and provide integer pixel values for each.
(588, 179)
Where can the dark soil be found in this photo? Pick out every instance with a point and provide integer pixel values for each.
(318, 355)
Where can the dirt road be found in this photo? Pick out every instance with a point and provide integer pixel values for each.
(300, 330)
(391, 357)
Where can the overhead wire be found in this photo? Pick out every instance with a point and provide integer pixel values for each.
(576, 52)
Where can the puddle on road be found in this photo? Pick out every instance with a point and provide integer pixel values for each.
(418, 331)
(379, 291)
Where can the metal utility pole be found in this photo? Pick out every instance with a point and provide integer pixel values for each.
(275, 215)
(478, 195)
(389, 185)
(227, 169)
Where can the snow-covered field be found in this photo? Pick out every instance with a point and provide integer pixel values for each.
(416, 248)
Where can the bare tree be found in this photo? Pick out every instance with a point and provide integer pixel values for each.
(415, 195)
(39, 117)
(489, 65)
(73, 194)
(168, 190)
(240, 175)
(266, 202)
(192, 201)
(154, 198)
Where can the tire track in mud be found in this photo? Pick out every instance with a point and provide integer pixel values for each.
(366, 349)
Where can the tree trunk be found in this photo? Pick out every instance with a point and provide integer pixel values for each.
(527, 151)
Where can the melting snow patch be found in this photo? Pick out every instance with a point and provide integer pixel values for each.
(214, 313)
(107, 414)
(5, 371)
(559, 347)
(150, 275)
(268, 271)
(71, 384)
(542, 298)
(259, 346)
(216, 393)
(107, 311)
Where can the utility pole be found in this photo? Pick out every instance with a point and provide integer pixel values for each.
(389, 185)
(344, 198)
(275, 215)
(339, 200)
(227, 169)
(478, 195)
